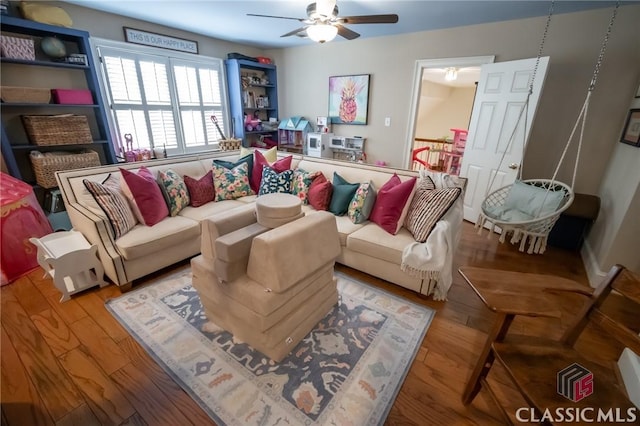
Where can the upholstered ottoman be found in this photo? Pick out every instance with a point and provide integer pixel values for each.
(273, 210)
(287, 286)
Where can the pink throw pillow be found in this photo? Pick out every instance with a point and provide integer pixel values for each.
(201, 191)
(390, 203)
(320, 193)
(143, 192)
(258, 164)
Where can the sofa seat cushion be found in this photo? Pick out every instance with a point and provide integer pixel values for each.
(346, 228)
(248, 199)
(146, 240)
(209, 209)
(374, 241)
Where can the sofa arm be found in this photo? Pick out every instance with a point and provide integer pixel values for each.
(97, 230)
(285, 255)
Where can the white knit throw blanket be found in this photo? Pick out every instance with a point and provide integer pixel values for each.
(432, 259)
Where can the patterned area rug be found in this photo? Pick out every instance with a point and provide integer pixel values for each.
(347, 371)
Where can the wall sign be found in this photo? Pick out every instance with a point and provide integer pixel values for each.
(158, 40)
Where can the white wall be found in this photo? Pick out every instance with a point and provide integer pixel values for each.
(443, 108)
(615, 236)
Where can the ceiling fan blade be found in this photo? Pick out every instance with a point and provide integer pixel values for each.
(277, 17)
(295, 32)
(346, 32)
(369, 19)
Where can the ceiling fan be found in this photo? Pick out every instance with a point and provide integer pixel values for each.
(323, 23)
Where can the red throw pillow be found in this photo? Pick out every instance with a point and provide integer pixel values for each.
(390, 202)
(201, 190)
(145, 196)
(320, 193)
(259, 162)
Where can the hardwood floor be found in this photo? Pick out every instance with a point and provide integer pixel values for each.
(73, 364)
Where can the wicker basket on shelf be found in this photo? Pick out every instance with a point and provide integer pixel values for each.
(229, 144)
(67, 129)
(26, 95)
(46, 165)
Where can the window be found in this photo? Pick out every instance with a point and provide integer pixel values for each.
(164, 102)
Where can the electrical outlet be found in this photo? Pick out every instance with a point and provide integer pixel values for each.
(387, 121)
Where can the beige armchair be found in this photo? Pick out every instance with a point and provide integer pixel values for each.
(268, 287)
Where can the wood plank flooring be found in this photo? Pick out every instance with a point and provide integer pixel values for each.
(73, 364)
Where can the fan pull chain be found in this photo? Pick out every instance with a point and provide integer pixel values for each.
(603, 49)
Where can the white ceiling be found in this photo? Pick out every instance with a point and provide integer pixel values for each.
(227, 20)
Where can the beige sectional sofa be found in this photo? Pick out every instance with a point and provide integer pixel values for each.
(144, 249)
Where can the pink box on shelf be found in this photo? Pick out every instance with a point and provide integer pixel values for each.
(72, 96)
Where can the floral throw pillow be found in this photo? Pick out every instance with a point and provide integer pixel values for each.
(362, 203)
(174, 191)
(302, 182)
(273, 181)
(230, 184)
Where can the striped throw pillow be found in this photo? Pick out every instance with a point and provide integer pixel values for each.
(114, 204)
(427, 208)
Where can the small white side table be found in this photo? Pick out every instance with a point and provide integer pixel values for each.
(70, 260)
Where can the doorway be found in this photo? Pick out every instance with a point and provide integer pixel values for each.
(442, 99)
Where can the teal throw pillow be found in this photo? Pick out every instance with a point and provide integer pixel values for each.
(343, 193)
(273, 181)
(362, 203)
(231, 165)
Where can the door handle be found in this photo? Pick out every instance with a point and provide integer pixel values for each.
(513, 166)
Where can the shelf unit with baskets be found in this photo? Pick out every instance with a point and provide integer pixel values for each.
(253, 100)
(31, 123)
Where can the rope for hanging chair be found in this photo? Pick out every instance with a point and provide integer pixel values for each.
(537, 229)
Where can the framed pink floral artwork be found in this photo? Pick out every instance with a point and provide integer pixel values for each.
(349, 99)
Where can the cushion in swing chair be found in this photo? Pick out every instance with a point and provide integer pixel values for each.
(526, 202)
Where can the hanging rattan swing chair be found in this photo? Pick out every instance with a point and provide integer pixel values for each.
(532, 224)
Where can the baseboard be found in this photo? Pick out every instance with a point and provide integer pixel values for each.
(594, 274)
(629, 365)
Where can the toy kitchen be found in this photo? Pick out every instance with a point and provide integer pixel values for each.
(327, 145)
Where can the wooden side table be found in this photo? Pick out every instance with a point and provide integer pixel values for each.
(71, 261)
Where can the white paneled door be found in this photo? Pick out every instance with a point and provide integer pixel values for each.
(502, 91)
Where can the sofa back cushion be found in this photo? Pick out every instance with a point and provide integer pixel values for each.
(355, 172)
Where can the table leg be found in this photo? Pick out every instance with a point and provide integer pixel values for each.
(496, 334)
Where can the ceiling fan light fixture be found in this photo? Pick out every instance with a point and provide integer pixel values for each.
(322, 32)
(451, 74)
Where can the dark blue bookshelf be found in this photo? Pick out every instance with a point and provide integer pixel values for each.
(235, 68)
(15, 143)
